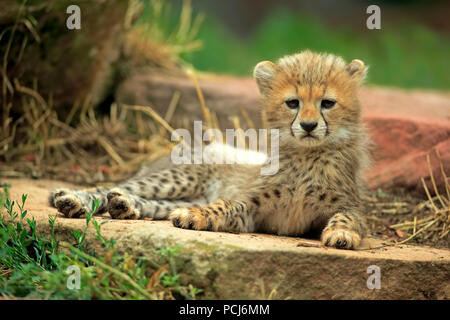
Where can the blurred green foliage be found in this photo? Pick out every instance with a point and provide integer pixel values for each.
(404, 55)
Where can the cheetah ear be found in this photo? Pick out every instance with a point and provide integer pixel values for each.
(357, 70)
(264, 73)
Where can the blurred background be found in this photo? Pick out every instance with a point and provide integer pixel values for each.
(411, 50)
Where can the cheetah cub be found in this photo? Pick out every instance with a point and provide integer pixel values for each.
(312, 100)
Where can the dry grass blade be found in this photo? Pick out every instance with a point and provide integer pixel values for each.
(239, 132)
(439, 213)
(148, 110)
(447, 185)
(154, 279)
(206, 112)
(172, 106)
(433, 181)
(110, 150)
(247, 118)
(416, 233)
(32, 93)
(409, 224)
(85, 107)
(430, 199)
(122, 275)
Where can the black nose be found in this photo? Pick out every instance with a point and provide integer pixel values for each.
(308, 126)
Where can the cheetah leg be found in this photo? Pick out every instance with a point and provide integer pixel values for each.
(131, 199)
(222, 215)
(126, 206)
(344, 230)
(182, 182)
(76, 203)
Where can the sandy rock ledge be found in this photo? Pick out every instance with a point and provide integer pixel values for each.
(250, 266)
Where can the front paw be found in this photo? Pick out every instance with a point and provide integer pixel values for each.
(340, 238)
(70, 205)
(119, 207)
(192, 218)
(56, 194)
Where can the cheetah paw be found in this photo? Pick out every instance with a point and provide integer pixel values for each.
(192, 218)
(119, 207)
(340, 238)
(69, 205)
(56, 194)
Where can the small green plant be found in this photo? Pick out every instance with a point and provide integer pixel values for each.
(381, 194)
(35, 266)
(109, 244)
(5, 194)
(172, 279)
(170, 255)
(19, 241)
(80, 235)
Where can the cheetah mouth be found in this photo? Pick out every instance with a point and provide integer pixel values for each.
(309, 136)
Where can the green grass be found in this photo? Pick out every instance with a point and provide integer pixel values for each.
(37, 267)
(404, 55)
(409, 56)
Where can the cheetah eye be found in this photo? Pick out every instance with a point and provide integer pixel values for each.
(327, 104)
(292, 104)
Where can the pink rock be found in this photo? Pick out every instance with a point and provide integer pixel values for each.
(405, 127)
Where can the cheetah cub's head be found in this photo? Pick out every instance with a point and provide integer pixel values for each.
(311, 98)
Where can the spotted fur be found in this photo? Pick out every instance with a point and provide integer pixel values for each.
(317, 188)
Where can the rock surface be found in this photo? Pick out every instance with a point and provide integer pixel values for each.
(404, 125)
(251, 266)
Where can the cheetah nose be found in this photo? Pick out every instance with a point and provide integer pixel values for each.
(308, 126)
